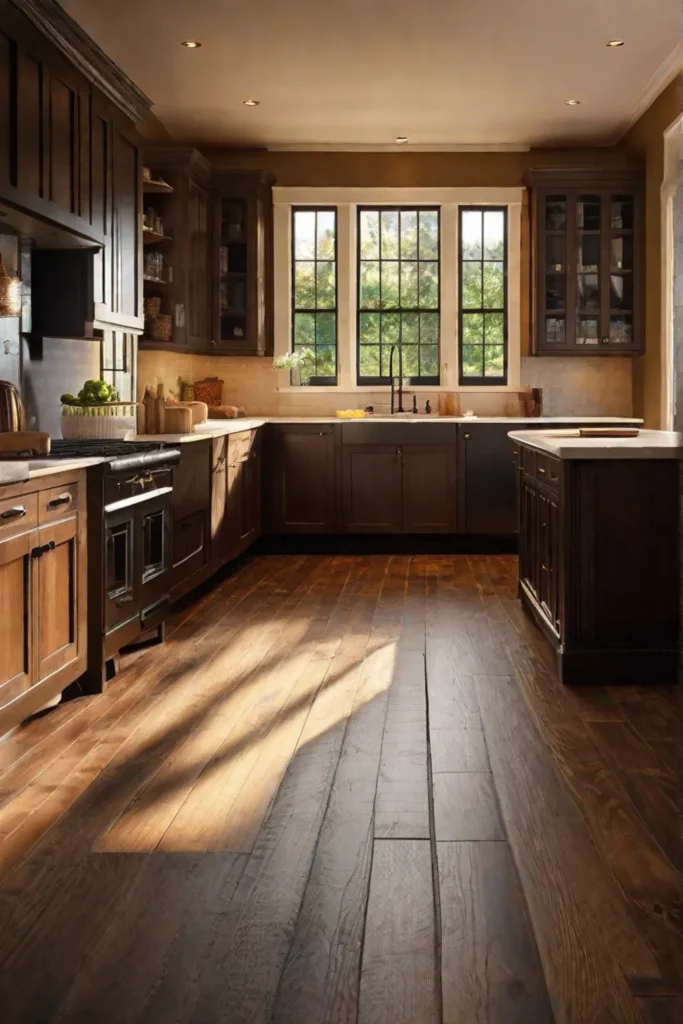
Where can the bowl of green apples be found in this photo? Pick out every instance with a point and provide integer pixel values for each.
(96, 412)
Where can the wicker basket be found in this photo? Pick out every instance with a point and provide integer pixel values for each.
(152, 306)
(160, 328)
(209, 390)
(116, 420)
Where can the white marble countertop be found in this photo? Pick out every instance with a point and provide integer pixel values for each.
(41, 467)
(567, 444)
(219, 428)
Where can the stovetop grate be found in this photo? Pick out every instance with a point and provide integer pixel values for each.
(106, 449)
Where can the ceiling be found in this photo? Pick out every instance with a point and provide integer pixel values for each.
(445, 73)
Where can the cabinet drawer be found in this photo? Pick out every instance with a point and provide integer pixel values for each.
(18, 515)
(57, 503)
(547, 470)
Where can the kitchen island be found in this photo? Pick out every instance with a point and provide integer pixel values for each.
(599, 567)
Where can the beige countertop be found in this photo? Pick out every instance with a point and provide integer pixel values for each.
(219, 428)
(567, 444)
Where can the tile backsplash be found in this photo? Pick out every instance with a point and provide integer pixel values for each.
(572, 386)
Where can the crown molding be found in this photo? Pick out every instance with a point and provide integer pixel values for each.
(51, 19)
(663, 76)
(316, 147)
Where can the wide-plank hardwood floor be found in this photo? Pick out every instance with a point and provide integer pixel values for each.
(347, 789)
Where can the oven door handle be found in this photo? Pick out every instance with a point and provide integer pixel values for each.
(137, 499)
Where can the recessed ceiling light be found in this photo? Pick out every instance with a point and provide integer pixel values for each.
(616, 42)
(251, 103)
(572, 103)
(401, 139)
(191, 44)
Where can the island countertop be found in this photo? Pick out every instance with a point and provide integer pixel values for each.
(568, 444)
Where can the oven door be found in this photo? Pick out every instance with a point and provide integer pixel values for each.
(121, 576)
(154, 547)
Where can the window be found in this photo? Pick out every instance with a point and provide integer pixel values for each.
(399, 293)
(314, 293)
(483, 295)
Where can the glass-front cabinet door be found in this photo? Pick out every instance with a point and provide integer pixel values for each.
(586, 249)
(242, 263)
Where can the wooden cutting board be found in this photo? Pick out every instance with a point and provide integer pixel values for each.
(17, 442)
(608, 432)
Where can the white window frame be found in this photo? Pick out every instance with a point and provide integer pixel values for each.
(673, 150)
(346, 201)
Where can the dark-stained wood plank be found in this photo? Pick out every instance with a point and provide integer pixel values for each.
(241, 982)
(592, 951)
(491, 972)
(399, 978)
(320, 979)
(155, 917)
(465, 807)
(402, 805)
(662, 1010)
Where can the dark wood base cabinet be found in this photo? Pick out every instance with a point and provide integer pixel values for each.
(300, 487)
(599, 566)
(43, 592)
(191, 518)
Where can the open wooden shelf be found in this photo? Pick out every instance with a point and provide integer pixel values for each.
(152, 238)
(157, 187)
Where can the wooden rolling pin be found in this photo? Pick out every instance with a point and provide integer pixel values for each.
(19, 441)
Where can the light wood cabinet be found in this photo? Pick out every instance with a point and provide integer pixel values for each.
(43, 592)
(235, 495)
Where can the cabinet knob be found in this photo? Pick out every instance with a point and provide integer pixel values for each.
(468, 437)
(541, 471)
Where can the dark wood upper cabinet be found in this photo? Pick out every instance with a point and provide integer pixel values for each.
(300, 487)
(54, 81)
(587, 261)
(176, 267)
(241, 258)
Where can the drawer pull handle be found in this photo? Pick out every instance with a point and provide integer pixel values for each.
(18, 512)
(124, 600)
(63, 499)
(541, 470)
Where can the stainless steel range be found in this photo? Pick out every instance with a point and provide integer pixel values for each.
(129, 546)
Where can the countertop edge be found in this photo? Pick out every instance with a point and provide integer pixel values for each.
(221, 428)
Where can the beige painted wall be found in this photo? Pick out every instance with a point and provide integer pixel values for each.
(646, 140)
(590, 386)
